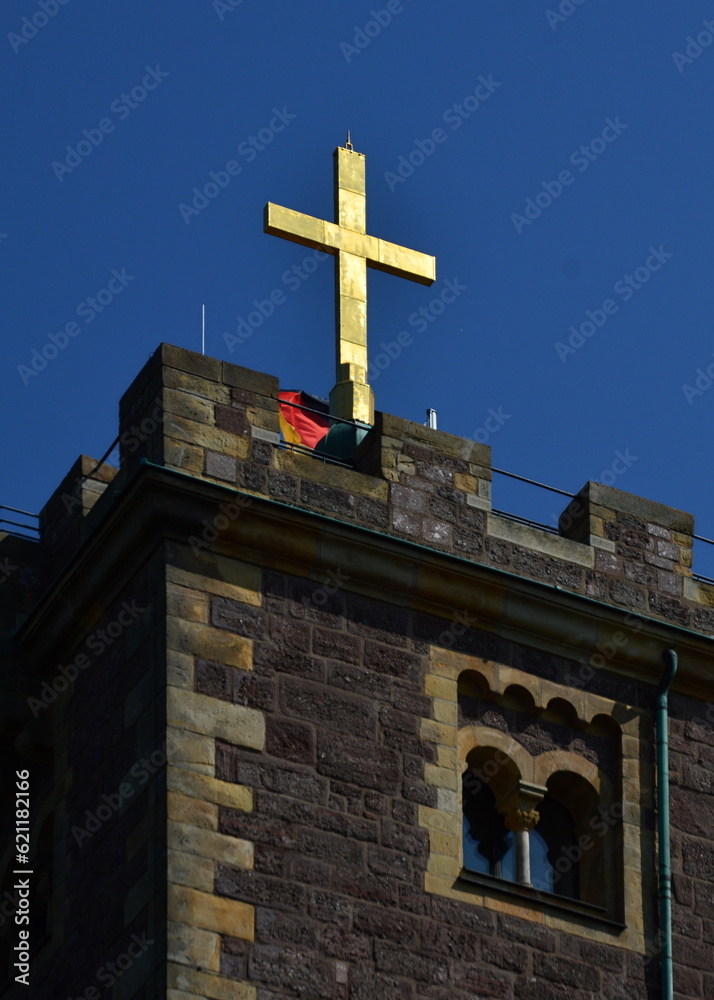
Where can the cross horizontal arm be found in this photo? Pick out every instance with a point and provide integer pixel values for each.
(331, 238)
(298, 227)
(405, 263)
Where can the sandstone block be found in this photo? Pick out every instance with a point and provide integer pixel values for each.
(219, 575)
(187, 984)
(201, 786)
(221, 720)
(190, 750)
(185, 404)
(210, 643)
(209, 844)
(184, 809)
(193, 946)
(213, 913)
(190, 870)
(182, 602)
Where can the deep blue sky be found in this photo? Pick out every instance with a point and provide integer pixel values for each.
(494, 349)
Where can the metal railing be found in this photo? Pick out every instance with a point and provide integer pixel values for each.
(31, 529)
(524, 520)
(21, 529)
(301, 449)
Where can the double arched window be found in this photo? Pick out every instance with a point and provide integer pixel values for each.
(490, 846)
(547, 822)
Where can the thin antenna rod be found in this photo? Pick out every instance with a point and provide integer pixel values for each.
(203, 329)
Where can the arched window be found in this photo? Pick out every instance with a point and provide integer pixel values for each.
(555, 857)
(528, 835)
(489, 846)
(541, 815)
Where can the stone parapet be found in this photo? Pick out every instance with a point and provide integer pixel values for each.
(220, 422)
(63, 519)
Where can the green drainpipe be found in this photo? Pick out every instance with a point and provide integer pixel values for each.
(665, 879)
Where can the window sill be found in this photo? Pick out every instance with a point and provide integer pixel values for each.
(545, 901)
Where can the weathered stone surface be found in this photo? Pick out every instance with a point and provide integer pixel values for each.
(243, 619)
(209, 789)
(290, 740)
(219, 466)
(329, 709)
(358, 761)
(336, 645)
(193, 946)
(209, 844)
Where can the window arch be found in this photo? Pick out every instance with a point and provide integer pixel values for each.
(548, 836)
(489, 846)
(591, 846)
(536, 821)
(500, 712)
(555, 864)
(498, 799)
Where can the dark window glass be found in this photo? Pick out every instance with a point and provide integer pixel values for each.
(554, 851)
(489, 847)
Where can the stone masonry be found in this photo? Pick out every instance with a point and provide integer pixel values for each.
(235, 675)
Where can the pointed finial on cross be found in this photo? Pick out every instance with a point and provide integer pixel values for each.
(347, 240)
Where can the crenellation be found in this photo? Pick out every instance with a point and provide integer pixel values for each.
(417, 461)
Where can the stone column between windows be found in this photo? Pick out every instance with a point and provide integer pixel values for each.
(520, 815)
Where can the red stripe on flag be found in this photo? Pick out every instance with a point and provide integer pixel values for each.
(310, 427)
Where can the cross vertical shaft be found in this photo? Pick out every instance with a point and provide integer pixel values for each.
(351, 393)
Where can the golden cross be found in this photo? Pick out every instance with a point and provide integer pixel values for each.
(346, 239)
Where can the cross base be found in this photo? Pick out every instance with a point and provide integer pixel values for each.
(353, 401)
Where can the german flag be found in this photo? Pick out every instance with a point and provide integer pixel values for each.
(301, 417)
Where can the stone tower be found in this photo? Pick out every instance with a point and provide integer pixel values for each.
(297, 729)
